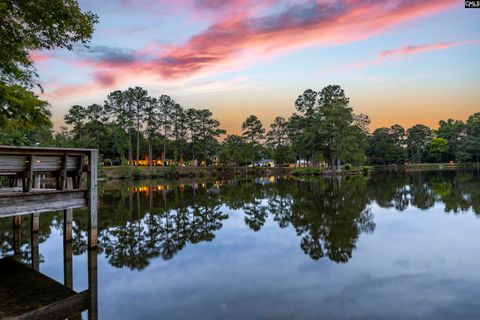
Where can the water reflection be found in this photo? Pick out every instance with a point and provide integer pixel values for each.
(140, 222)
(27, 293)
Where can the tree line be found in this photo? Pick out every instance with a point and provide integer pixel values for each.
(132, 126)
(132, 123)
(453, 140)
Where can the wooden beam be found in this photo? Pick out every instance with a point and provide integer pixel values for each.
(92, 199)
(12, 204)
(43, 150)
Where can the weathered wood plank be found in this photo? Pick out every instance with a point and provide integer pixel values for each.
(10, 164)
(37, 202)
(43, 150)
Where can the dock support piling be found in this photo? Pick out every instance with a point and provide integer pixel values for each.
(35, 236)
(17, 221)
(92, 199)
(92, 284)
(68, 264)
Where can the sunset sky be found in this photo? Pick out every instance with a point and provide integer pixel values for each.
(399, 61)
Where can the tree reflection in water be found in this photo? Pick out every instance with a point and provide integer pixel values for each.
(138, 223)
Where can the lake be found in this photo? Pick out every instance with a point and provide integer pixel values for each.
(391, 245)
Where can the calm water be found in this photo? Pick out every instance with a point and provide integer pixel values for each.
(392, 245)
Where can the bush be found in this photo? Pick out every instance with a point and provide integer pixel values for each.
(347, 166)
(159, 173)
(172, 170)
(125, 171)
(307, 171)
(365, 169)
(138, 172)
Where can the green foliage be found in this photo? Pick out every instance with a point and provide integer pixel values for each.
(325, 124)
(347, 166)
(253, 133)
(125, 171)
(42, 24)
(469, 141)
(452, 131)
(26, 26)
(20, 108)
(387, 146)
(279, 142)
(233, 151)
(463, 156)
(138, 172)
(208, 132)
(23, 136)
(418, 138)
(438, 149)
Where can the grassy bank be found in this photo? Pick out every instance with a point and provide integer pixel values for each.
(427, 166)
(125, 172)
(347, 170)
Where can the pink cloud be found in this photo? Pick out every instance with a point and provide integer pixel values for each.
(398, 54)
(38, 56)
(414, 49)
(243, 39)
(296, 27)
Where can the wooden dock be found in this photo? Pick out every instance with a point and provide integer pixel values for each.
(27, 169)
(26, 174)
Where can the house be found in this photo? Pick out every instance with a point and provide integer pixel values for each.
(265, 163)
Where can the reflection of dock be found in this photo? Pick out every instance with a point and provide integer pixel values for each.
(24, 292)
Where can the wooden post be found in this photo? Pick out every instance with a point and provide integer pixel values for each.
(92, 199)
(37, 181)
(77, 177)
(26, 178)
(92, 284)
(62, 175)
(29, 173)
(35, 228)
(67, 224)
(35, 222)
(68, 264)
(17, 221)
(67, 248)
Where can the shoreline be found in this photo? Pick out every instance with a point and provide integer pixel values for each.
(143, 172)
